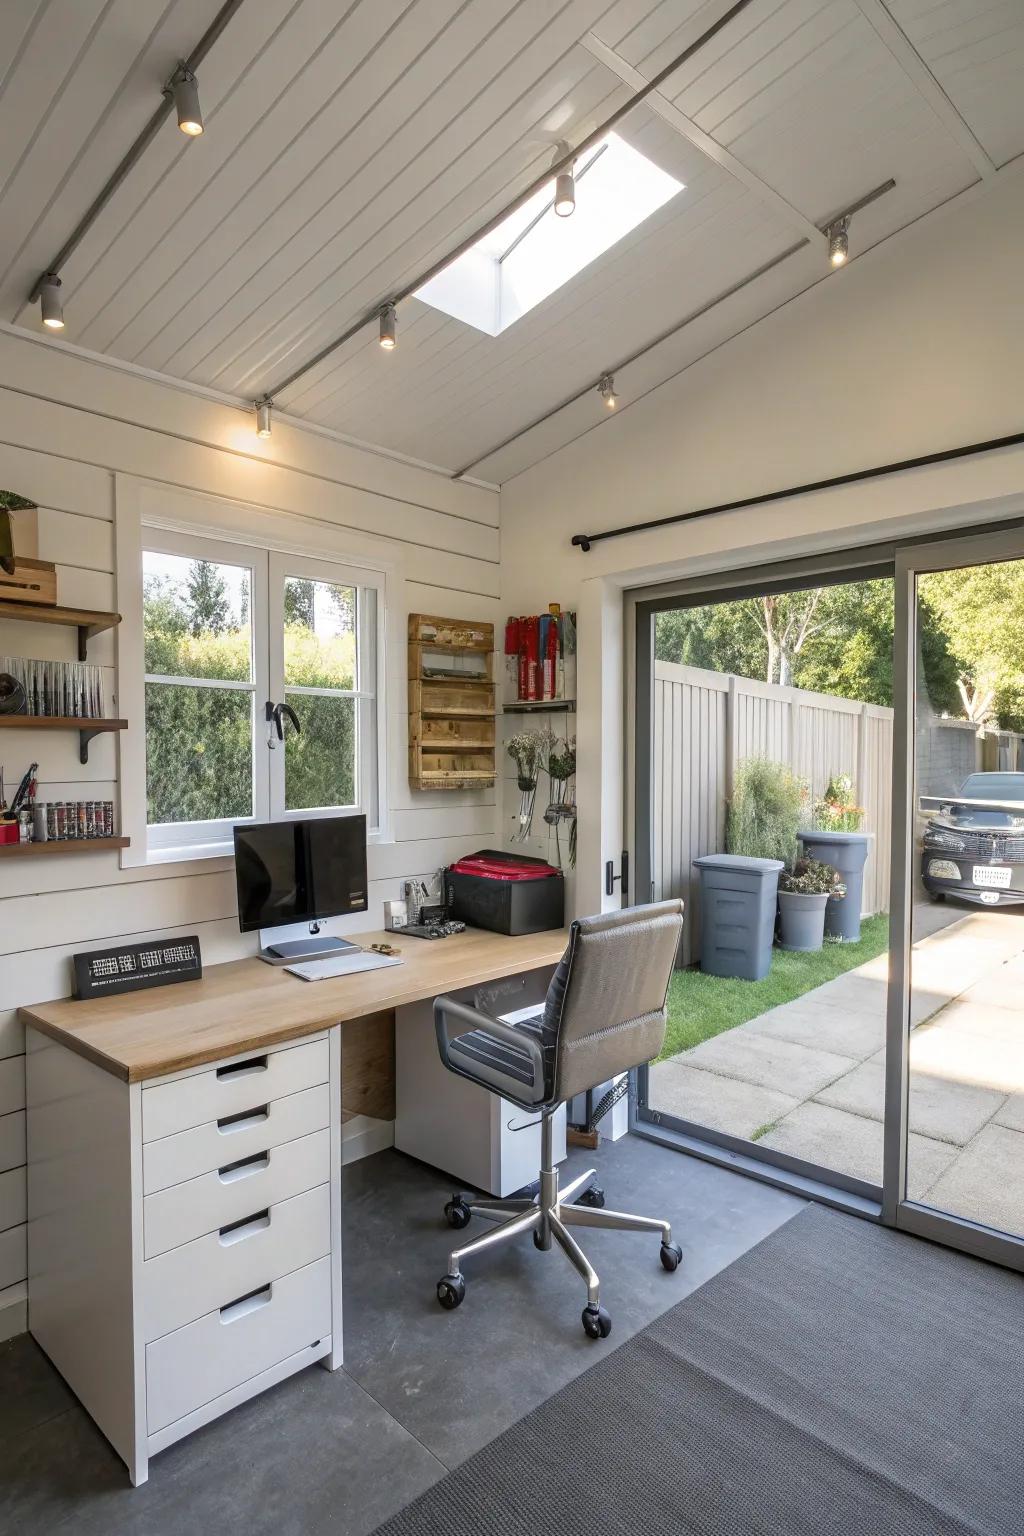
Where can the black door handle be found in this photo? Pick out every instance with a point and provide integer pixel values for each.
(276, 713)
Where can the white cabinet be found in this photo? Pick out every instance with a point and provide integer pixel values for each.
(185, 1234)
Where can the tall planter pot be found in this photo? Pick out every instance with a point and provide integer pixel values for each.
(801, 921)
(737, 904)
(847, 852)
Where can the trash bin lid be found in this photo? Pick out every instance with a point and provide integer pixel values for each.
(837, 839)
(738, 861)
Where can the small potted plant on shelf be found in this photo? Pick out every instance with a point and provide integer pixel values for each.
(527, 751)
(804, 891)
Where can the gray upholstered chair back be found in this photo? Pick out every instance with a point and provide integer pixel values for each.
(607, 999)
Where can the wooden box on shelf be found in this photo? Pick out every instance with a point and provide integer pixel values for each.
(452, 710)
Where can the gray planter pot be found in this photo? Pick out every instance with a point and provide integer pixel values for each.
(737, 906)
(847, 852)
(801, 921)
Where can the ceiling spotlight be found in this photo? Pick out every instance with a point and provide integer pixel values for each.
(388, 326)
(565, 194)
(49, 302)
(606, 389)
(185, 90)
(263, 407)
(839, 241)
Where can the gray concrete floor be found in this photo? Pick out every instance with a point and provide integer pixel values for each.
(421, 1389)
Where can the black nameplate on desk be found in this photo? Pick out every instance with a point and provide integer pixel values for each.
(134, 967)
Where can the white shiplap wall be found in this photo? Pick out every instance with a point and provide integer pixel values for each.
(69, 430)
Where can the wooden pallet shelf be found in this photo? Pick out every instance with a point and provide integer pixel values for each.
(452, 718)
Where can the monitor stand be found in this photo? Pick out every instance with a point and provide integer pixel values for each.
(299, 941)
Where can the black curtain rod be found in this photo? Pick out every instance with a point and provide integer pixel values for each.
(585, 541)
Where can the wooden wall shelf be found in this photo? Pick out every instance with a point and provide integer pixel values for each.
(85, 727)
(68, 845)
(452, 707)
(88, 621)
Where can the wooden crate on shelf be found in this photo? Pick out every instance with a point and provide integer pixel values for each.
(452, 706)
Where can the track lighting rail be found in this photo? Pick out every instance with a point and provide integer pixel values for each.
(371, 315)
(137, 150)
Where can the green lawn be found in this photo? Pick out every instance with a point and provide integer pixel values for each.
(701, 1006)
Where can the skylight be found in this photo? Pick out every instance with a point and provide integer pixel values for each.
(534, 252)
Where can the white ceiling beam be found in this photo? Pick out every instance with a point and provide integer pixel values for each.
(920, 76)
(688, 129)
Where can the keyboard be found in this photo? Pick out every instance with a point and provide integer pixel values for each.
(342, 965)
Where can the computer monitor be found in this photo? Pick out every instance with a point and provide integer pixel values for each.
(291, 876)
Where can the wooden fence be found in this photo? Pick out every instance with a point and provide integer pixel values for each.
(705, 723)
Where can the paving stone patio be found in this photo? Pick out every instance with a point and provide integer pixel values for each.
(808, 1078)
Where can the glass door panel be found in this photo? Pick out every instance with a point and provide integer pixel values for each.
(956, 1090)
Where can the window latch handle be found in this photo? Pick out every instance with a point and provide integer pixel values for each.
(275, 714)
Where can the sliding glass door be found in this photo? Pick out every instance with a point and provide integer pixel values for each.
(954, 1166)
(864, 712)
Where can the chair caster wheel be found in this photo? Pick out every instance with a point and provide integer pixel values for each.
(457, 1213)
(592, 1196)
(597, 1323)
(451, 1291)
(671, 1256)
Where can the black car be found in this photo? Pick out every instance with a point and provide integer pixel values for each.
(973, 845)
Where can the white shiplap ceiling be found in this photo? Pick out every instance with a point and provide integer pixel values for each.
(349, 147)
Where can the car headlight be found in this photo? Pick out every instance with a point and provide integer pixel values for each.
(937, 839)
(943, 869)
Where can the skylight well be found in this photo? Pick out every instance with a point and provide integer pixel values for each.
(534, 252)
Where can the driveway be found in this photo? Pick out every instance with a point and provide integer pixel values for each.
(808, 1078)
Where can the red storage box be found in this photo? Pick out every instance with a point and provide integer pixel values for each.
(505, 892)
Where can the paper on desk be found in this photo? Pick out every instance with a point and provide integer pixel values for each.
(342, 965)
(520, 1015)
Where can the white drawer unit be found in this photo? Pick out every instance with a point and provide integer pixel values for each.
(194, 1366)
(231, 1088)
(184, 1233)
(185, 1211)
(204, 1275)
(236, 1137)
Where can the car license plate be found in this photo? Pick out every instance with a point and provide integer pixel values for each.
(992, 875)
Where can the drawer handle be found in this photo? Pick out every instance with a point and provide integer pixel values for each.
(232, 1172)
(243, 1068)
(251, 1302)
(244, 1121)
(238, 1231)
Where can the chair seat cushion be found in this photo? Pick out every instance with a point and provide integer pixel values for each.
(498, 1064)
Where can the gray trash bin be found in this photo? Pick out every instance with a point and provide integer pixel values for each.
(737, 908)
(847, 852)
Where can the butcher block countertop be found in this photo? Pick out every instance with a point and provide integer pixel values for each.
(247, 1005)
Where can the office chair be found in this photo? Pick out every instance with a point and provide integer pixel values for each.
(604, 1014)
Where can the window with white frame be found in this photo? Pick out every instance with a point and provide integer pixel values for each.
(261, 682)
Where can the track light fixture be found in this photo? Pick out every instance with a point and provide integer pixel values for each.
(388, 327)
(263, 409)
(606, 389)
(185, 90)
(839, 241)
(49, 302)
(565, 181)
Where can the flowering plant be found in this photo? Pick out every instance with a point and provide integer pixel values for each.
(837, 810)
(527, 750)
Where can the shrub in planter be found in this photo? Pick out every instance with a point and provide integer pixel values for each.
(765, 811)
(837, 810)
(803, 893)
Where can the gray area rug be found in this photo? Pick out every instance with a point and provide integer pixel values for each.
(838, 1380)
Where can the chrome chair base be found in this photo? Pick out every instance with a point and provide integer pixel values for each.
(549, 1215)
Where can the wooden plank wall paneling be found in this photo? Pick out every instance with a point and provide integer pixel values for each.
(64, 452)
(817, 735)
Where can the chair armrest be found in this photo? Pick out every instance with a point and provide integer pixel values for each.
(448, 1009)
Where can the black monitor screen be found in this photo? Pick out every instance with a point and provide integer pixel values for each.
(295, 871)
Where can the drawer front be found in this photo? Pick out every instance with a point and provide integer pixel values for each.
(186, 1211)
(231, 1089)
(196, 1364)
(258, 1127)
(202, 1276)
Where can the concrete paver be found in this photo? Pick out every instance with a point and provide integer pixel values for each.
(939, 1108)
(721, 1103)
(798, 1070)
(851, 1144)
(985, 1182)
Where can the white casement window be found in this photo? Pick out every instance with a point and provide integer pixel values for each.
(261, 690)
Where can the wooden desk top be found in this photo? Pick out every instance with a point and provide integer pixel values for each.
(246, 1005)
